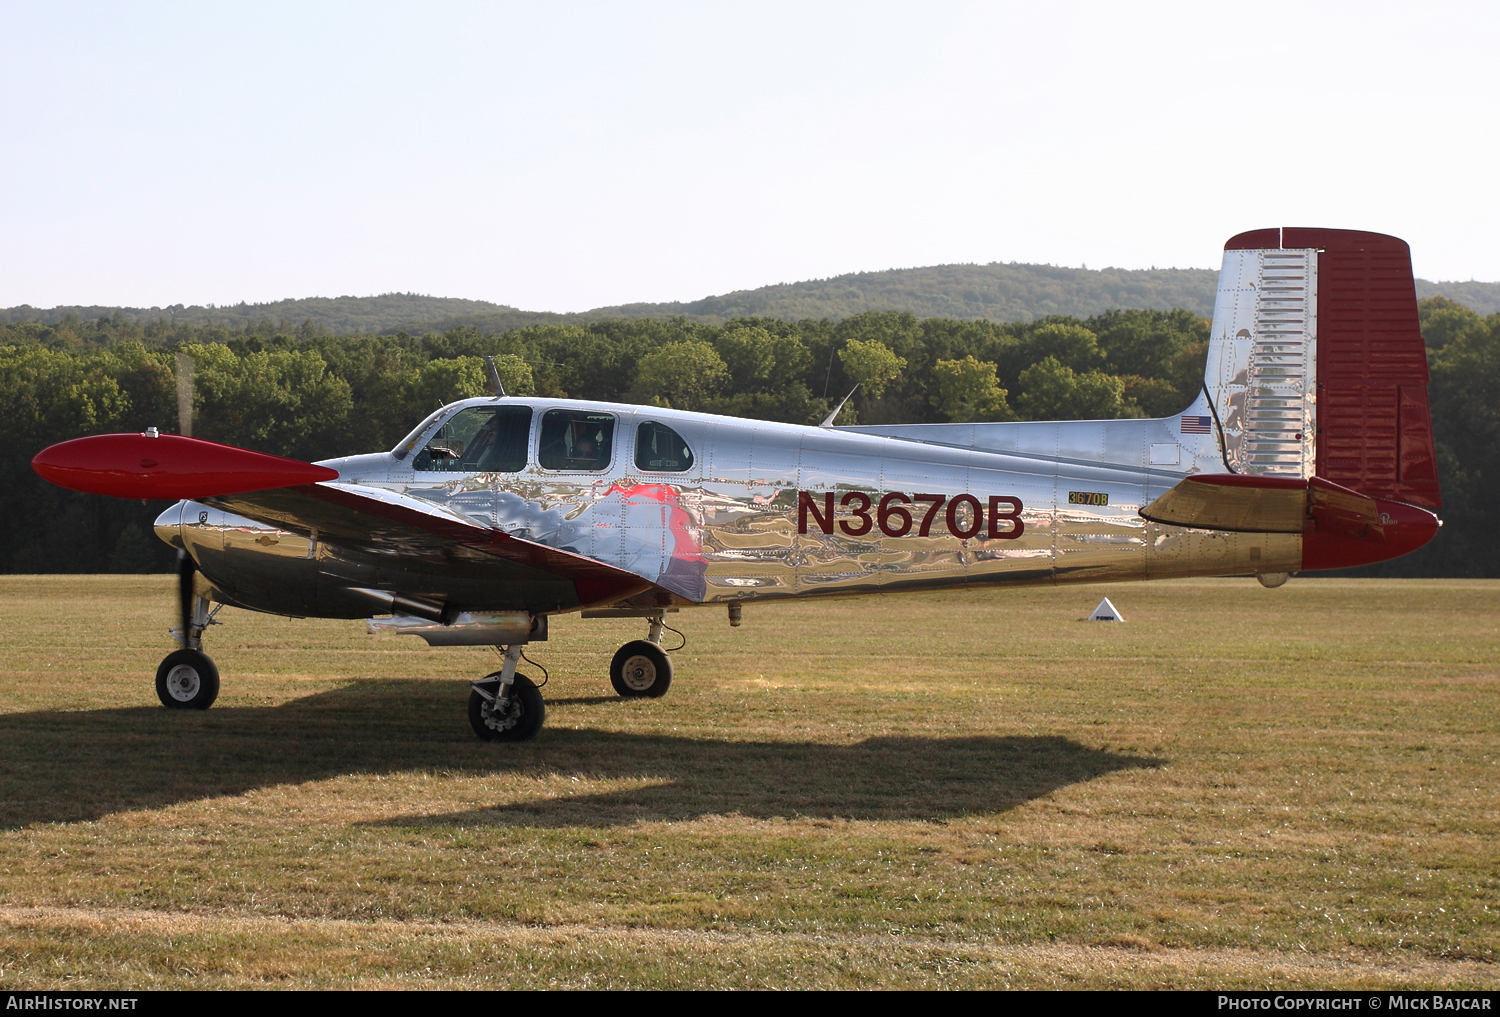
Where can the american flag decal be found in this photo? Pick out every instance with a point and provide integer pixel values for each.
(1195, 425)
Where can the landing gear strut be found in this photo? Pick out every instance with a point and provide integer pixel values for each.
(641, 667)
(506, 706)
(187, 679)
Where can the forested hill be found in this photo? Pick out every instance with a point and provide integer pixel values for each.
(997, 292)
(383, 315)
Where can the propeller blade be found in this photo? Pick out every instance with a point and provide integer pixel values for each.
(185, 569)
(185, 366)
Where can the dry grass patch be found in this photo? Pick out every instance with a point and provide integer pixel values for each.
(92, 950)
(1238, 787)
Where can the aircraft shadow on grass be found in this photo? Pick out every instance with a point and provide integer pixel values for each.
(81, 765)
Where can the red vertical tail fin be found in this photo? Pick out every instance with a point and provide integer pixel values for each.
(1318, 370)
(1374, 429)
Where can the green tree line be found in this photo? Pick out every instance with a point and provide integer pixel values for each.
(311, 395)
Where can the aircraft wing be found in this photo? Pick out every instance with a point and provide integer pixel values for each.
(308, 499)
(379, 523)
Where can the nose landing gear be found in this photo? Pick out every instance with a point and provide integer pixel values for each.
(187, 679)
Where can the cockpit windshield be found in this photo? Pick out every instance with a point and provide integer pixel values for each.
(402, 450)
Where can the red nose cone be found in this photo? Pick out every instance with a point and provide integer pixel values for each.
(170, 467)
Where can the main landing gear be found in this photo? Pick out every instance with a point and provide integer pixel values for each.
(641, 667)
(506, 706)
(187, 679)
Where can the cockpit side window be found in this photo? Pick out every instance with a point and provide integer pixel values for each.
(480, 439)
(576, 440)
(660, 449)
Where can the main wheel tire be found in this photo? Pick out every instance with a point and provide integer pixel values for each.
(641, 668)
(187, 680)
(522, 717)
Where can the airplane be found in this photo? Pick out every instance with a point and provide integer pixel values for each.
(1309, 447)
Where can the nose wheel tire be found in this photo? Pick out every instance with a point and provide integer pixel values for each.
(641, 668)
(187, 680)
(518, 717)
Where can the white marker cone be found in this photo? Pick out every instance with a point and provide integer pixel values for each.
(1106, 612)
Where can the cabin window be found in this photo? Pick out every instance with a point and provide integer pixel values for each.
(661, 449)
(576, 440)
(480, 439)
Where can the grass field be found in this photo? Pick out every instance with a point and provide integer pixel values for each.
(1238, 787)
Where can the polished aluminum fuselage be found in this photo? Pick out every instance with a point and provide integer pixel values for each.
(750, 520)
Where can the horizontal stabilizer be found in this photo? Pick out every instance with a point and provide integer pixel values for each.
(1263, 504)
(168, 466)
(1339, 510)
(1228, 501)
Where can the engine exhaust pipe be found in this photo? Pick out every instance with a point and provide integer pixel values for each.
(397, 604)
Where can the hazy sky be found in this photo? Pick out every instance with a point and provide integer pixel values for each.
(567, 156)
